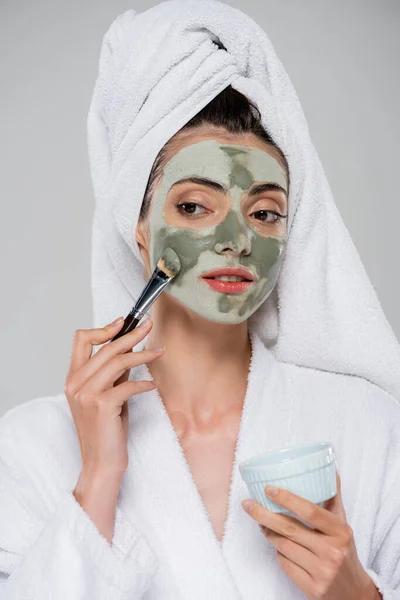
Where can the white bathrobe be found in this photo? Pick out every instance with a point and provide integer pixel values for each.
(164, 546)
(325, 367)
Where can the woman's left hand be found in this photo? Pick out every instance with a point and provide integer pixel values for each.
(322, 562)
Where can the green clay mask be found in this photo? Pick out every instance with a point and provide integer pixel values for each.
(221, 232)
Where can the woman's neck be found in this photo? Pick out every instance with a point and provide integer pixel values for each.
(203, 371)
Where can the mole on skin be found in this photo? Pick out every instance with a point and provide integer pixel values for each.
(224, 232)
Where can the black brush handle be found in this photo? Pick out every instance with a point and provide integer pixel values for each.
(130, 323)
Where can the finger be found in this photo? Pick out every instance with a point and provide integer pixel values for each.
(105, 377)
(105, 354)
(335, 505)
(85, 339)
(298, 554)
(292, 529)
(317, 516)
(128, 340)
(299, 576)
(116, 398)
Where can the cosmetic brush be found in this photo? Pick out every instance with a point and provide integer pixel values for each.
(168, 266)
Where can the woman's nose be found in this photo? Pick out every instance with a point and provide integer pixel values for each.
(233, 237)
(236, 247)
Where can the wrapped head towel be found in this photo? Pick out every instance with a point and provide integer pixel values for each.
(158, 69)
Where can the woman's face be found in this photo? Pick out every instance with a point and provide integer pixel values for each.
(220, 220)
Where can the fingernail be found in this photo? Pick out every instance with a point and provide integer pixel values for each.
(161, 349)
(247, 504)
(116, 322)
(145, 322)
(270, 490)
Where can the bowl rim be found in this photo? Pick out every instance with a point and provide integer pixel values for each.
(324, 447)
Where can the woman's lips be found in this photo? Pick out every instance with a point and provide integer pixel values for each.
(227, 287)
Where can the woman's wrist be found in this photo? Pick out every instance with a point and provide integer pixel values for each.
(97, 494)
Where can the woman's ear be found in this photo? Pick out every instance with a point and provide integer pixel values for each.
(142, 238)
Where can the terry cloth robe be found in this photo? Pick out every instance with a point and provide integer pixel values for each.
(164, 546)
(325, 366)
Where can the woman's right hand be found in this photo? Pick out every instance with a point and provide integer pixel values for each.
(97, 390)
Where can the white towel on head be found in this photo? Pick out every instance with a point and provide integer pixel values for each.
(157, 70)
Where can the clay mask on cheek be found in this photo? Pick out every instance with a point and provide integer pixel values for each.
(236, 167)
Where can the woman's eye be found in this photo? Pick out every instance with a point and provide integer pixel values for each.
(188, 208)
(269, 217)
(277, 217)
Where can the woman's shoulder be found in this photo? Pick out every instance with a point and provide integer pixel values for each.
(39, 432)
(37, 414)
(349, 395)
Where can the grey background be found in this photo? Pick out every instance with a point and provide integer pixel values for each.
(343, 60)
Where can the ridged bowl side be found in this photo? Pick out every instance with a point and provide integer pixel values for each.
(316, 486)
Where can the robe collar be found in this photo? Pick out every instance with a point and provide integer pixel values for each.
(159, 494)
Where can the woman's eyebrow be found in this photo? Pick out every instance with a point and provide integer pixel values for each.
(202, 181)
(266, 187)
(257, 189)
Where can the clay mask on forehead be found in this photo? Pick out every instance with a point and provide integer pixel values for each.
(234, 241)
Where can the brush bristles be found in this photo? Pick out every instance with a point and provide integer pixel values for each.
(169, 262)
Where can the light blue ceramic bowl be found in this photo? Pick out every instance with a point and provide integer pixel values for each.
(307, 470)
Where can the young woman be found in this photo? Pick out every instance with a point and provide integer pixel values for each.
(127, 485)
